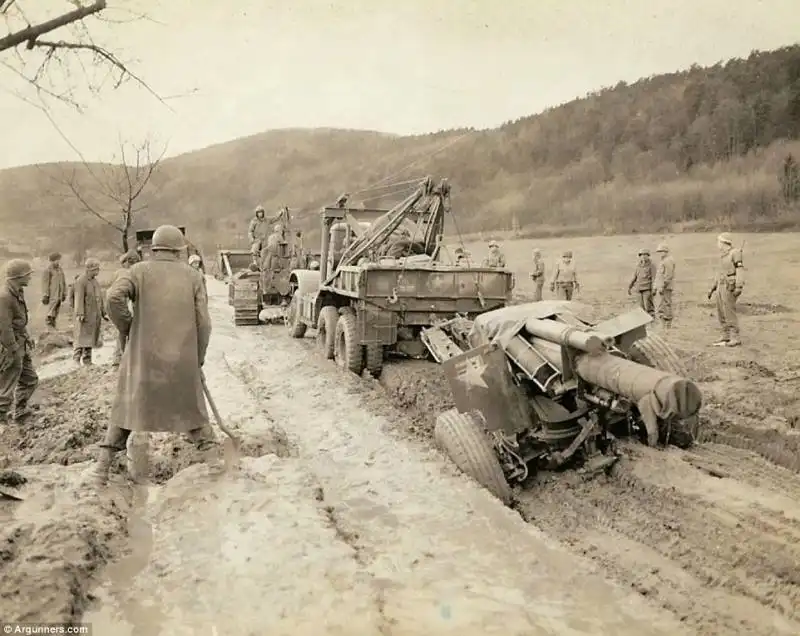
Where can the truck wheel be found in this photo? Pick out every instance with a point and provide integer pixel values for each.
(462, 437)
(653, 351)
(326, 331)
(297, 328)
(348, 353)
(373, 359)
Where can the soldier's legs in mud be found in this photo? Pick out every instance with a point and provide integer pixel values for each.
(664, 308)
(728, 303)
(82, 355)
(27, 382)
(203, 438)
(8, 384)
(117, 357)
(52, 312)
(537, 290)
(647, 302)
(114, 442)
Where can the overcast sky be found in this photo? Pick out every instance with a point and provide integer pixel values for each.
(404, 66)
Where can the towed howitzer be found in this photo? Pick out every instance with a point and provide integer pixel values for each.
(540, 386)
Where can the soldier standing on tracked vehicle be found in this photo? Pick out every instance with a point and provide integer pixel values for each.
(728, 286)
(128, 259)
(258, 232)
(54, 289)
(643, 278)
(665, 276)
(18, 379)
(537, 275)
(565, 278)
(159, 387)
(90, 311)
(496, 258)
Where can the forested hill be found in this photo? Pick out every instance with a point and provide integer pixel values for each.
(706, 147)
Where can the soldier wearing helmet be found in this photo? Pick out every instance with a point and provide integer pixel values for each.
(728, 286)
(565, 277)
(18, 378)
(496, 258)
(90, 311)
(258, 231)
(54, 289)
(642, 282)
(665, 276)
(538, 275)
(128, 259)
(167, 333)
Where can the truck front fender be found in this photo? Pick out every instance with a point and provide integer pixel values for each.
(305, 281)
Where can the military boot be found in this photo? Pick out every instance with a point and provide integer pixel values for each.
(100, 472)
(22, 413)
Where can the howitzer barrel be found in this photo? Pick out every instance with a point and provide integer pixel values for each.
(666, 394)
(559, 333)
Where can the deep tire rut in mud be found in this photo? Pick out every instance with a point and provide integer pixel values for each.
(711, 534)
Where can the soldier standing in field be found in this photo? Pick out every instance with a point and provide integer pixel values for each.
(159, 387)
(665, 276)
(643, 278)
(54, 289)
(496, 258)
(127, 260)
(565, 278)
(18, 379)
(537, 275)
(728, 287)
(89, 313)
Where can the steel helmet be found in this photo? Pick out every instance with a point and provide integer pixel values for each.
(644, 252)
(55, 256)
(92, 263)
(662, 247)
(168, 238)
(725, 237)
(259, 208)
(567, 254)
(194, 258)
(17, 268)
(131, 256)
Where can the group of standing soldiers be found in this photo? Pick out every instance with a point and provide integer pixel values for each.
(160, 310)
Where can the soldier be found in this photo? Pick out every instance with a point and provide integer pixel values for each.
(665, 275)
(159, 385)
(496, 257)
(90, 312)
(128, 259)
(196, 263)
(643, 277)
(537, 275)
(298, 257)
(728, 287)
(271, 248)
(54, 289)
(17, 376)
(565, 278)
(257, 232)
(462, 257)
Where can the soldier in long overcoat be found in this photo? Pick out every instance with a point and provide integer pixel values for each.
(159, 387)
(54, 289)
(90, 311)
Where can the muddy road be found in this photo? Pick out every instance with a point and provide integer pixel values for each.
(342, 518)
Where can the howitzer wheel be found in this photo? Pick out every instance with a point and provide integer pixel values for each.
(653, 351)
(297, 328)
(326, 331)
(462, 437)
(348, 352)
(373, 358)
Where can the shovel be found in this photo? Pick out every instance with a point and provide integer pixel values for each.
(232, 443)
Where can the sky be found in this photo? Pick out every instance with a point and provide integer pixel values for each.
(228, 70)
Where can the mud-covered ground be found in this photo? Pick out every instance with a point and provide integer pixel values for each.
(710, 534)
(329, 518)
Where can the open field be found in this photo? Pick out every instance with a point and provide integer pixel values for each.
(340, 477)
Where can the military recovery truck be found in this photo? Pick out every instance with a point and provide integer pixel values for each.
(541, 386)
(381, 281)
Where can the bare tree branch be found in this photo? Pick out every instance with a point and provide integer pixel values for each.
(32, 32)
(116, 193)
